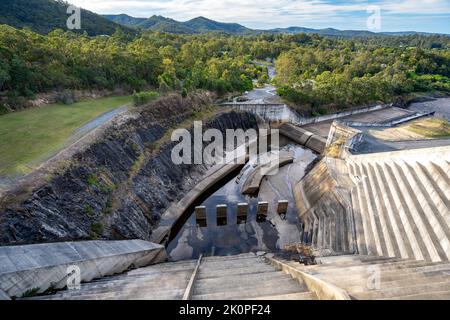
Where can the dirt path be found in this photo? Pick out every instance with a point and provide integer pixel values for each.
(95, 123)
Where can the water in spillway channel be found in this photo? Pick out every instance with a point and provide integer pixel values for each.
(233, 238)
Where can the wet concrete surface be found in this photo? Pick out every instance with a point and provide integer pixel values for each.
(323, 128)
(234, 238)
(371, 144)
(440, 106)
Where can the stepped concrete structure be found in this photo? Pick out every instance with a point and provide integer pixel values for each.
(401, 203)
(244, 277)
(387, 204)
(378, 221)
(240, 277)
(360, 277)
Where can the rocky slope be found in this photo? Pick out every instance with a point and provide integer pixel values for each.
(119, 186)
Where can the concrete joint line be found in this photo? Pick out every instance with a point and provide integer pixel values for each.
(190, 287)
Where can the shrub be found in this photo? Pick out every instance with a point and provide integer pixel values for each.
(97, 228)
(144, 97)
(92, 181)
(66, 97)
(3, 109)
(89, 210)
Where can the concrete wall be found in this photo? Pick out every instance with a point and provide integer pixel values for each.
(269, 112)
(391, 123)
(303, 137)
(38, 267)
(281, 112)
(342, 114)
(324, 206)
(344, 138)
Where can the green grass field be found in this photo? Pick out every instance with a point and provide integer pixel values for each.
(430, 127)
(29, 137)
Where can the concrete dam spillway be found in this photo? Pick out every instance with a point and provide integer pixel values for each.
(235, 238)
(341, 205)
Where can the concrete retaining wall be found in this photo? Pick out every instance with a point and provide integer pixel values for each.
(269, 112)
(344, 138)
(281, 112)
(322, 289)
(389, 124)
(304, 137)
(342, 114)
(38, 267)
(324, 206)
(173, 217)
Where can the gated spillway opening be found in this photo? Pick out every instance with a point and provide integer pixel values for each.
(233, 223)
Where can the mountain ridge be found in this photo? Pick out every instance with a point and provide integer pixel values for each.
(204, 25)
(44, 16)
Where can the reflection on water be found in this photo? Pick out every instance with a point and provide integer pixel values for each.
(234, 238)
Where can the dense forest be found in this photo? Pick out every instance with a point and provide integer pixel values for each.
(315, 71)
(44, 16)
(350, 73)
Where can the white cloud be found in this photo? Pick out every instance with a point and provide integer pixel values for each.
(270, 13)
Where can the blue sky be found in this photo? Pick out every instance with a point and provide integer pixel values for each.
(399, 15)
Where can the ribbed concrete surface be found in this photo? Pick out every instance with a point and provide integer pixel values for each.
(371, 278)
(394, 204)
(244, 276)
(402, 207)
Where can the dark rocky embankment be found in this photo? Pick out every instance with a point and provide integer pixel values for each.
(119, 187)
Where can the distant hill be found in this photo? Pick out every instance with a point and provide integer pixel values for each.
(342, 33)
(44, 16)
(204, 25)
(197, 25)
(125, 19)
(326, 32)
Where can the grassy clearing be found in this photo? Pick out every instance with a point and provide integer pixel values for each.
(29, 137)
(430, 127)
(427, 128)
